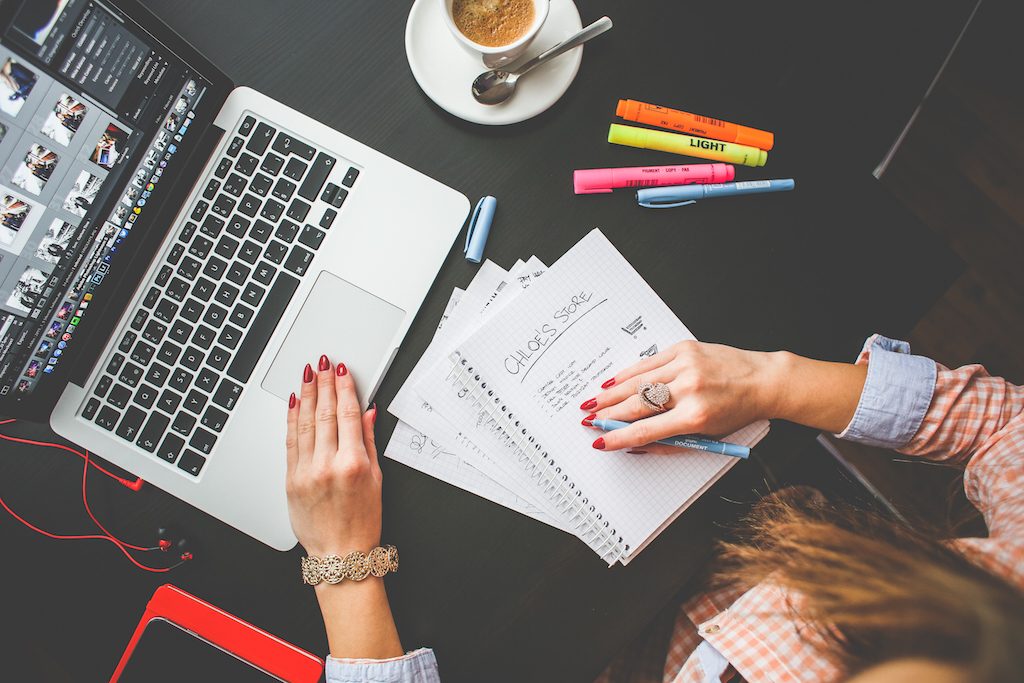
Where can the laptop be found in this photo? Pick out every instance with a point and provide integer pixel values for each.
(175, 249)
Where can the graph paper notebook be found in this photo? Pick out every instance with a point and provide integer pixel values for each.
(516, 385)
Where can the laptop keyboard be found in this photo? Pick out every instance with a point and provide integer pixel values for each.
(193, 341)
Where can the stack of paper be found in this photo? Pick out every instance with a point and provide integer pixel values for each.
(493, 405)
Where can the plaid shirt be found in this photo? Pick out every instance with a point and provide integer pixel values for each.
(909, 403)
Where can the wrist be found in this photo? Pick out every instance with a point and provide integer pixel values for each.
(771, 384)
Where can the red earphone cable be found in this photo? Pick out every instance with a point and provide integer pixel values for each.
(123, 546)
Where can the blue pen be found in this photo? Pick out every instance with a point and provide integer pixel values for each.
(681, 195)
(684, 440)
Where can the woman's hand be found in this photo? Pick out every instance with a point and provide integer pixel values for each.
(714, 390)
(334, 479)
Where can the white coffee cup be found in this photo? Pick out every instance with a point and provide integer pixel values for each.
(500, 55)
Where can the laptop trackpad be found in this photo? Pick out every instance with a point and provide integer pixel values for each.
(348, 324)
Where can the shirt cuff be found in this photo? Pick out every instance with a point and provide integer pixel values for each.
(419, 666)
(896, 395)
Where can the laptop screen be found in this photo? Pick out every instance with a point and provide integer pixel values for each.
(93, 110)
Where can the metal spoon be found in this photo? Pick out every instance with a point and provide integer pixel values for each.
(494, 87)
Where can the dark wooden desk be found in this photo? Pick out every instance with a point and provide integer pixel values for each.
(499, 596)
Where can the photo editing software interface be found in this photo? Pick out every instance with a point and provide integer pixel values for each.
(92, 111)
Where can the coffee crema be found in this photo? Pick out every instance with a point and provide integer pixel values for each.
(493, 23)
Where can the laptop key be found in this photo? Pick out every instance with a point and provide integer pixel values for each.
(272, 164)
(177, 289)
(153, 432)
(252, 294)
(312, 237)
(139, 319)
(91, 406)
(203, 338)
(107, 418)
(191, 462)
(115, 363)
(235, 147)
(298, 210)
(165, 310)
(272, 210)
(284, 189)
(237, 272)
(241, 315)
(299, 260)
(180, 380)
(168, 353)
(261, 184)
(215, 315)
(145, 396)
(189, 268)
(195, 402)
(260, 139)
(191, 310)
(238, 226)
(175, 254)
(261, 231)
(142, 353)
(212, 226)
(192, 358)
(250, 252)
(180, 331)
(263, 326)
(152, 296)
(203, 289)
(170, 447)
(188, 231)
(211, 189)
(226, 294)
(214, 418)
(350, 178)
(200, 210)
(249, 205)
(163, 276)
(246, 126)
(317, 176)
(229, 336)
(218, 358)
(183, 423)
(127, 341)
(246, 163)
(154, 332)
(119, 396)
(130, 374)
(168, 401)
(215, 268)
(227, 394)
(157, 374)
(103, 386)
(223, 206)
(235, 184)
(222, 168)
(328, 218)
(275, 252)
(287, 231)
(286, 144)
(200, 247)
(131, 423)
(264, 273)
(207, 380)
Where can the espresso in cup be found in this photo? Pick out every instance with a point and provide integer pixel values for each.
(493, 23)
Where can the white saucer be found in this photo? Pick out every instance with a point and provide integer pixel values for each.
(445, 70)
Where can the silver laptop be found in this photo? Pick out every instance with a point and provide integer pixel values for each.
(174, 250)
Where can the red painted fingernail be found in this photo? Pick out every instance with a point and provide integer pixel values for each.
(636, 452)
(589, 404)
(291, 401)
(588, 421)
(342, 370)
(307, 374)
(373, 420)
(610, 383)
(599, 444)
(325, 363)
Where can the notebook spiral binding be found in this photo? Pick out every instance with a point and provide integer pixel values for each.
(587, 522)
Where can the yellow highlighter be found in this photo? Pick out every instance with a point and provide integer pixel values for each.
(677, 143)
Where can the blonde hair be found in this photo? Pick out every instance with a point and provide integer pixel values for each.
(873, 590)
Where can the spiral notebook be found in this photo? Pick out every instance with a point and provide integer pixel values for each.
(515, 385)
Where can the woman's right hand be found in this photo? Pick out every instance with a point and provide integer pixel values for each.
(714, 389)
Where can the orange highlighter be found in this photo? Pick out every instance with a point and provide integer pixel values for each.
(694, 124)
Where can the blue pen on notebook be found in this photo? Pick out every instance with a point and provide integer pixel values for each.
(682, 441)
(479, 229)
(681, 195)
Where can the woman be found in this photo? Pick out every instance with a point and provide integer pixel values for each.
(814, 593)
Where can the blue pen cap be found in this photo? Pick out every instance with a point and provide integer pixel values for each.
(480, 229)
(669, 196)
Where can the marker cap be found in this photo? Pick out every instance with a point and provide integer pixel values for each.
(479, 229)
(592, 181)
(752, 137)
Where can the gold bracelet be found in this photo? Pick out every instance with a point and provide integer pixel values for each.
(354, 566)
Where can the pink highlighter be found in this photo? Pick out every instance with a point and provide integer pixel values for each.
(598, 180)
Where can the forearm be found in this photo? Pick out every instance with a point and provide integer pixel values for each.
(358, 619)
(813, 393)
